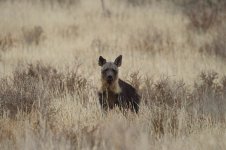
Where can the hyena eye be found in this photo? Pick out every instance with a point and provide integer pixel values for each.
(115, 71)
(105, 70)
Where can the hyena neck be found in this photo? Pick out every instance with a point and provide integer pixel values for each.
(114, 88)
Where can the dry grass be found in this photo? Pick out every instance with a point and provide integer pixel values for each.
(173, 54)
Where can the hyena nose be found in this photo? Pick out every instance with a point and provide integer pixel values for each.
(110, 77)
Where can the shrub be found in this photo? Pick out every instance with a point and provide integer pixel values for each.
(208, 96)
(34, 86)
(203, 102)
(33, 35)
(151, 40)
(6, 42)
(204, 14)
(217, 47)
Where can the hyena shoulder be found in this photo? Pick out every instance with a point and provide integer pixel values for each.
(128, 92)
(126, 88)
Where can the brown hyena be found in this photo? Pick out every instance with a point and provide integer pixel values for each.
(114, 91)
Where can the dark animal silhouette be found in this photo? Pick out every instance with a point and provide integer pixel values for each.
(114, 91)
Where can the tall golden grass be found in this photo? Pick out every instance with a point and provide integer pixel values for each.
(173, 53)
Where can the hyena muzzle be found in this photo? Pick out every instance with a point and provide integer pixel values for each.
(114, 91)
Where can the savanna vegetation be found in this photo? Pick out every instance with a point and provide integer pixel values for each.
(174, 53)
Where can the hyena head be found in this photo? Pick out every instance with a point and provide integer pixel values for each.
(109, 70)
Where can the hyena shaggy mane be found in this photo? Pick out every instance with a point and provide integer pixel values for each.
(114, 91)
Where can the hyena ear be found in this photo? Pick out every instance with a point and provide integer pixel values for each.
(102, 61)
(118, 61)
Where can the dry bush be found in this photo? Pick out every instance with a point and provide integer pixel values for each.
(170, 93)
(69, 31)
(135, 80)
(204, 14)
(34, 86)
(208, 97)
(164, 92)
(33, 35)
(6, 42)
(101, 45)
(164, 98)
(28, 89)
(151, 40)
(217, 47)
(167, 98)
